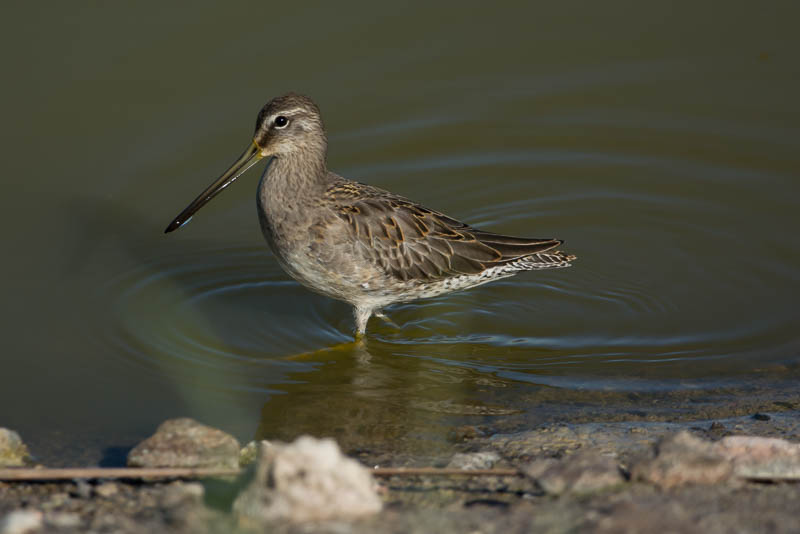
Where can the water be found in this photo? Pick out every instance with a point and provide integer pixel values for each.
(661, 143)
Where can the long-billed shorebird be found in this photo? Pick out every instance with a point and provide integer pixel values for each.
(355, 242)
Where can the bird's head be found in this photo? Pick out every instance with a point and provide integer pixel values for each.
(288, 126)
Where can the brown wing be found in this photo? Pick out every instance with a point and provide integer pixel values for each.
(413, 242)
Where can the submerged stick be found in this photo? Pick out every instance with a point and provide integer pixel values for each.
(23, 474)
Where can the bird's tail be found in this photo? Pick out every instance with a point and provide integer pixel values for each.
(543, 260)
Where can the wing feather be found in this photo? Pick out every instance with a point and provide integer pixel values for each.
(409, 241)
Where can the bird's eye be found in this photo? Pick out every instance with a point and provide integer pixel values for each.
(281, 121)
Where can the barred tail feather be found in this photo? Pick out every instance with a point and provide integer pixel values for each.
(543, 260)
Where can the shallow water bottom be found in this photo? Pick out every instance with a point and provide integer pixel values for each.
(384, 415)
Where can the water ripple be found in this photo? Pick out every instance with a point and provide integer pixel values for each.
(229, 310)
(657, 230)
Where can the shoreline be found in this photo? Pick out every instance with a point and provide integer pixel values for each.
(631, 503)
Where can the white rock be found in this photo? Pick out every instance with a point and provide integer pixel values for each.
(307, 480)
(21, 522)
(757, 457)
(473, 460)
(13, 452)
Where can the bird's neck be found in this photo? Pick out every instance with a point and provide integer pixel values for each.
(297, 176)
(287, 194)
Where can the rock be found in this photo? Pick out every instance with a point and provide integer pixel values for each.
(13, 452)
(307, 480)
(179, 493)
(473, 460)
(182, 506)
(21, 522)
(583, 472)
(463, 433)
(63, 520)
(107, 489)
(249, 452)
(82, 489)
(761, 417)
(756, 457)
(539, 467)
(632, 515)
(56, 500)
(186, 443)
(683, 459)
(607, 438)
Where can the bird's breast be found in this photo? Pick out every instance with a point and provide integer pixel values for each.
(315, 250)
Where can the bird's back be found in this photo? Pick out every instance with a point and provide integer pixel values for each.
(412, 243)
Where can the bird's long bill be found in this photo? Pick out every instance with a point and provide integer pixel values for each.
(249, 157)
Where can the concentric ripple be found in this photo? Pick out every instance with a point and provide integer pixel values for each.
(206, 312)
(672, 280)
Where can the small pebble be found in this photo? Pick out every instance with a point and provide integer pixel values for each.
(716, 425)
(183, 492)
(463, 433)
(56, 500)
(64, 520)
(82, 489)
(249, 452)
(107, 489)
(474, 460)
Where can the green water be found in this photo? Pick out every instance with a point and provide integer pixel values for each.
(661, 142)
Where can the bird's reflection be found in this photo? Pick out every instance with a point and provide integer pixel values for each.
(376, 403)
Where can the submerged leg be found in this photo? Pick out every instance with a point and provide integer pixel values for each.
(362, 316)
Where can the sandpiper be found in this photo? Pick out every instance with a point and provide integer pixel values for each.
(355, 242)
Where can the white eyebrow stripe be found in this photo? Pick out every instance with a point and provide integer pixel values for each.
(288, 112)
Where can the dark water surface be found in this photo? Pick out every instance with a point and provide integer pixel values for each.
(661, 142)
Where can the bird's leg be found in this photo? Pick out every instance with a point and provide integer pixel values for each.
(383, 316)
(362, 316)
